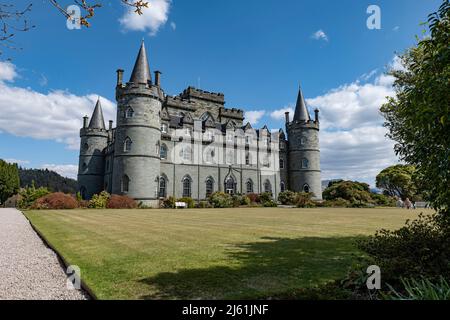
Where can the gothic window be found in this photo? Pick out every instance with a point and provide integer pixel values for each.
(85, 147)
(267, 186)
(162, 187)
(127, 145)
(249, 186)
(163, 127)
(209, 186)
(125, 185)
(129, 113)
(282, 186)
(247, 158)
(230, 185)
(305, 163)
(248, 139)
(306, 188)
(187, 187)
(281, 163)
(163, 152)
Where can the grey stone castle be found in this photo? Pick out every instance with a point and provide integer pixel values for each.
(191, 145)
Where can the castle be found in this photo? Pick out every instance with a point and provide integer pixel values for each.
(191, 145)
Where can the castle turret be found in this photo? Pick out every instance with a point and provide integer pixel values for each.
(304, 151)
(137, 137)
(94, 139)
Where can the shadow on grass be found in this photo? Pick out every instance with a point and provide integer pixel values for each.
(260, 269)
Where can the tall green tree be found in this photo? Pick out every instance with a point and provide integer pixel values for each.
(9, 180)
(418, 118)
(397, 181)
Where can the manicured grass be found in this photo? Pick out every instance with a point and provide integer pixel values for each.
(210, 253)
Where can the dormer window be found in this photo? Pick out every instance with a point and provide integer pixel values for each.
(129, 113)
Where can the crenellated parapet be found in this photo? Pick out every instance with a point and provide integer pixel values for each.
(194, 93)
(232, 113)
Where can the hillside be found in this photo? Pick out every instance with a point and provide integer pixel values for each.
(46, 178)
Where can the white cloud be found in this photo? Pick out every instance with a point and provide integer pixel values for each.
(153, 17)
(396, 28)
(18, 161)
(319, 35)
(66, 170)
(56, 115)
(7, 71)
(254, 116)
(173, 25)
(280, 113)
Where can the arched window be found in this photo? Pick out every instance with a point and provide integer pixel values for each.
(129, 112)
(85, 147)
(209, 186)
(282, 187)
(125, 185)
(157, 148)
(281, 163)
(305, 163)
(187, 187)
(163, 127)
(306, 188)
(127, 145)
(83, 193)
(162, 187)
(267, 186)
(230, 185)
(249, 186)
(247, 158)
(163, 152)
(302, 141)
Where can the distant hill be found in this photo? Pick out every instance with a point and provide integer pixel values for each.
(47, 178)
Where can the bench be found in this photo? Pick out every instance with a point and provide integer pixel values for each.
(180, 205)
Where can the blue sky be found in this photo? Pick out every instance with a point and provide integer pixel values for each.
(255, 52)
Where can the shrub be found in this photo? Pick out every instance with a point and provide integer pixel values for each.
(336, 203)
(287, 197)
(383, 200)
(265, 197)
(352, 191)
(189, 201)
(245, 200)
(423, 289)
(27, 196)
(99, 201)
(254, 197)
(204, 204)
(303, 200)
(57, 200)
(168, 203)
(121, 202)
(221, 200)
(269, 203)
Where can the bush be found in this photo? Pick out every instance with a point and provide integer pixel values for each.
(265, 197)
(168, 203)
(423, 289)
(99, 201)
(121, 202)
(336, 203)
(204, 204)
(303, 200)
(383, 200)
(27, 196)
(245, 200)
(287, 197)
(353, 191)
(269, 203)
(221, 200)
(254, 197)
(189, 201)
(57, 200)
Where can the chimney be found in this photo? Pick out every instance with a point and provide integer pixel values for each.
(286, 116)
(119, 77)
(158, 78)
(110, 124)
(85, 122)
(316, 115)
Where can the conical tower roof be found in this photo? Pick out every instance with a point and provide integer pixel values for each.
(141, 70)
(97, 121)
(301, 112)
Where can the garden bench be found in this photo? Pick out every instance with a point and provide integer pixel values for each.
(180, 205)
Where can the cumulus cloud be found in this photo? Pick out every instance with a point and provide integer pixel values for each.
(18, 161)
(280, 113)
(319, 35)
(173, 25)
(56, 115)
(66, 170)
(7, 71)
(254, 116)
(152, 19)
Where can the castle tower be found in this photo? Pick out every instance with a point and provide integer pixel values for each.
(304, 151)
(94, 139)
(137, 138)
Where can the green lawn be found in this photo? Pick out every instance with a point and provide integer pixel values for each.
(210, 254)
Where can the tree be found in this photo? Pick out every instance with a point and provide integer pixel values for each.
(353, 191)
(418, 118)
(397, 181)
(9, 180)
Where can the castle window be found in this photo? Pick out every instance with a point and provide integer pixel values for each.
(127, 145)
(267, 186)
(107, 165)
(85, 147)
(84, 166)
(129, 113)
(249, 186)
(302, 141)
(157, 148)
(282, 187)
(306, 188)
(83, 193)
(163, 152)
(305, 163)
(209, 186)
(162, 187)
(125, 185)
(247, 139)
(163, 128)
(186, 187)
(185, 153)
(230, 137)
(281, 164)
(230, 185)
(247, 158)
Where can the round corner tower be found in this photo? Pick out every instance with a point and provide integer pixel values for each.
(91, 166)
(304, 151)
(137, 138)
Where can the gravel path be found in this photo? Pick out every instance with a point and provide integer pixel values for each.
(28, 268)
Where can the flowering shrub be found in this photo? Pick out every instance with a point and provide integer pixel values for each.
(221, 200)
